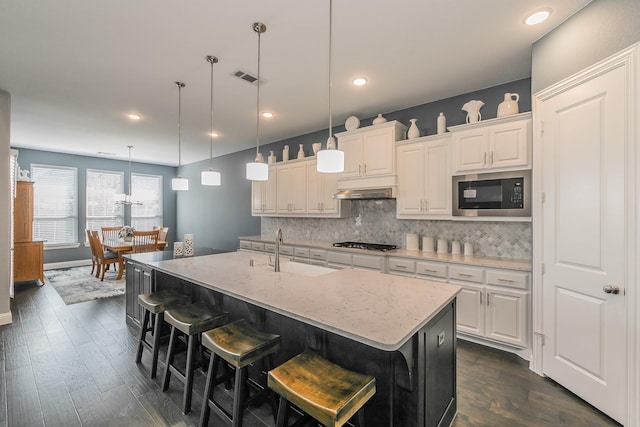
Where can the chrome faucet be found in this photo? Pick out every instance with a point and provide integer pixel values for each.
(276, 263)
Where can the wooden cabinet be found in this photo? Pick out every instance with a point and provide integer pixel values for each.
(495, 144)
(291, 188)
(424, 178)
(263, 195)
(369, 153)
(28, 255)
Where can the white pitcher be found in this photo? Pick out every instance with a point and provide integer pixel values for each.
(473, 110)
(509, 106)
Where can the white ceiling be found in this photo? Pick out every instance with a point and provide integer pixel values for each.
(75, 68)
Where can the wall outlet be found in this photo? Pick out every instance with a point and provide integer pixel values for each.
(441, 338)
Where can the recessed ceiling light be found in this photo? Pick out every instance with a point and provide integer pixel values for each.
(359, 81)
(213, 135)
(134, 116)
(537, 16)
(267, 114)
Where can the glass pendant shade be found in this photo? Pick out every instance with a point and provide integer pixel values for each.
(210, 177)
(330, 161)
(179, 184)
(257, 171)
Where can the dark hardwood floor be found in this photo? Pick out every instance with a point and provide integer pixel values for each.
(74, 366)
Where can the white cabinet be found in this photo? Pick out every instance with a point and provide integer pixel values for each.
(263, 195)
(506, 315)
(470, 313)
(320, 190)
(291, 184)
(340, 259)
(495, 144)
(424, 178)
(369, 154)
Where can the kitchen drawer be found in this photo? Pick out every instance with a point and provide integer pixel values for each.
(244, 245)
(368, 261)
(256, 246)
(402, 265)
(468, 274)
(318, 254)
(286, 250)
(432, 269)
(269, 248)
(511, 279)
(301, 252)
(343, 258)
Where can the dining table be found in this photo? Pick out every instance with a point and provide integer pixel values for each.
(122, 247)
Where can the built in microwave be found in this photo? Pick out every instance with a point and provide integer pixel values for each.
(492, 194)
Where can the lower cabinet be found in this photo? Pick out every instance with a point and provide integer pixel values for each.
(140, 280)
(28, 261)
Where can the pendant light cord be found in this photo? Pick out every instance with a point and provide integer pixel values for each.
(130, 147)
(258, 97)
(212, 60)
(330, 44)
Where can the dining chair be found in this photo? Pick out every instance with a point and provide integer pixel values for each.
(112, 233)
(105, 258)
(144, 241)
(94, 258)
(162, 236)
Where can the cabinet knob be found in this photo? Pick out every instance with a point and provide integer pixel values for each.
(611, 289)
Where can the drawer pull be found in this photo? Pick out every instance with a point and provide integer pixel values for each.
(505, 280)
(465, 274)
(400, 266)
(430, 271)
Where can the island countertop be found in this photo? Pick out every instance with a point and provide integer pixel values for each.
(376, 309)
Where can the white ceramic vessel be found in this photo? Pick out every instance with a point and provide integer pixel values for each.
(509, 106)
(413, 131)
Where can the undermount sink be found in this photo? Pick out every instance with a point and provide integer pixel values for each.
(301, 269)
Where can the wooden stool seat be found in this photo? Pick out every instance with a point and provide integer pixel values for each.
(191, 320)
(323, 390)
(240, 345)
(155, 304)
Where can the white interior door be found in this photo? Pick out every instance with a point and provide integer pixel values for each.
(584, 238)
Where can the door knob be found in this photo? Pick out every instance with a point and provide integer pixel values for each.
(611, 289)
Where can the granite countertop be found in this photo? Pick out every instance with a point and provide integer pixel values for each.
(493, 262)
(152, 257)
(379, 310)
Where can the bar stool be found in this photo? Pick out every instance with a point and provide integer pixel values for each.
(190, 320)
(323, 390)
(240, 345)
(154, 304)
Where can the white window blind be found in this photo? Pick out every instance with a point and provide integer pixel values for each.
(148, 190)
(55, 204)
(102, 190)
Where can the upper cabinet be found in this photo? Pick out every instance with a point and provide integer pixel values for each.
(492, 145)
(369, 155)
(320, 190)
(424, 178)
(291, 185)
(263, 195)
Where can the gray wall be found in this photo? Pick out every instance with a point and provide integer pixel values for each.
(601, 29)
(27, 157)
(5, 193)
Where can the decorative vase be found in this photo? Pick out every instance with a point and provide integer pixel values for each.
(442, 123)
(509, 106)
(473, 110)
(413, 131)
(379, 119)
(301, 151)
(188, 245)
(272, 158)
(285, 153)
(178, 248)
(259, 158)
(127, 238)
(316, 147)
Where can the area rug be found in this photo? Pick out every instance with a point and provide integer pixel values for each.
(76, 284)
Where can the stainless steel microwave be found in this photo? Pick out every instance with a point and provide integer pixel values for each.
(492, 194)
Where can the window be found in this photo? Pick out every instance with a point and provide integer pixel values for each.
(148, 190)
(102, 190)
(55, 204)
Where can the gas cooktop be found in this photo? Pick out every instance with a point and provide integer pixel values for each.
(367, 246)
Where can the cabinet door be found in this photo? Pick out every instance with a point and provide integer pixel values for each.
(283, 200)
(314, 188)
(410, 180)
(352, 147)
(509, 145)
(437, 178)
(470, 150)
(329, 187)
(507, 315)
(257, 197)
(269, 193)
(298, 188)
(28, 258)
(378, 152)
(470, 310)
(23, 212)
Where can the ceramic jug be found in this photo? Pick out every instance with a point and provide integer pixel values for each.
(413, 131)
(285, 153)
(272, 158)
(301, 151)
(259, 158)
(509, 106)
(473, 110)
(316, 147)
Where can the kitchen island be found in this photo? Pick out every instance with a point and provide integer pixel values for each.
(399, 330)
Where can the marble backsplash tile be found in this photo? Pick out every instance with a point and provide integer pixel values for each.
(374, 221)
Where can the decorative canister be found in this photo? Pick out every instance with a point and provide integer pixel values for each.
(509, 106)
(178, 249)
(442, 123)
(301, 151)
(379, 119)
(427, 244)
(412, 242)
(468, 249)
(272, 158)
(443, 246)
(455, 248)
(285, 153)
(413, 131)
(188, 245)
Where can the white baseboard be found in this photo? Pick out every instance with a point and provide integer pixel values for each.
(67, 264)
(5, 318)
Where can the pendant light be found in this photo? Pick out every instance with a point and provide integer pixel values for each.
(258, 169)
(211, 177)
(180, 183)
(127, 199)
(330, 160)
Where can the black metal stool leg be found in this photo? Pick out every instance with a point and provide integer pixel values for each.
(283, 408)
(208, 391)
(156, 343)
(170, 356)
(188, 386)
(239, 396)
(143, 332)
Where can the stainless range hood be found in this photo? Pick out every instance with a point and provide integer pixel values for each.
(373, 193)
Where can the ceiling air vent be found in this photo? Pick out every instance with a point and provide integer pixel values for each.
(245, 76)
